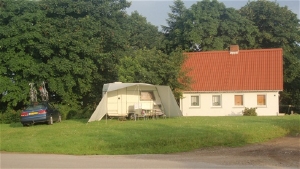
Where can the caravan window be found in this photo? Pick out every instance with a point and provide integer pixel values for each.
(147, 96)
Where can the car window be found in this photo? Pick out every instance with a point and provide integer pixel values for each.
(35, 107)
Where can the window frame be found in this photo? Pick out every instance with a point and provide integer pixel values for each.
(234, 101)
(191, 104)
(265, 100)
(220, 100)
(143, 98)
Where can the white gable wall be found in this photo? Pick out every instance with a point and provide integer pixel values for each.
(228, 107)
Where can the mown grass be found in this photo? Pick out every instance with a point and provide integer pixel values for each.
(145, 136)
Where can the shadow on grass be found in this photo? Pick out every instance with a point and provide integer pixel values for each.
(84, 121)
(164, 139)
(16, 125)
(290, 123)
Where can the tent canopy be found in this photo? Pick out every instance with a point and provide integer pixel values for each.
(171, 108)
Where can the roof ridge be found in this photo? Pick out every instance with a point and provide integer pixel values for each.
(243, 50)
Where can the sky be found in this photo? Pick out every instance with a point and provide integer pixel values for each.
(156, 11)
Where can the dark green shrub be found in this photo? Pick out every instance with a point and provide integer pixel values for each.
(249, 111)
(80, 114)
(67, 111)
(10, 116)
(72, 114)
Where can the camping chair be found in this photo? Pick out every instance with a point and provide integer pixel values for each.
(139, 113)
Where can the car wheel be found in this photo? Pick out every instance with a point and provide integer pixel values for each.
(25, 125)
(50, 122)
(59, 119)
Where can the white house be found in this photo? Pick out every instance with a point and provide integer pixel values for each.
(224, 83)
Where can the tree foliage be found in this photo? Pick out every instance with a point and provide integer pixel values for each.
(19, 34)
(175, 33)
(208, 25)
(142, 34)
(72, 45)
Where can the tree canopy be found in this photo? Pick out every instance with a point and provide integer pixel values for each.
(60, 42)
(208, 25)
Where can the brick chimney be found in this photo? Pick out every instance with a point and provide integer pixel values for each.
(234, 49)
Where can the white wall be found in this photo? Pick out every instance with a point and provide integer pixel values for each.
(123, 101)
(228, 107)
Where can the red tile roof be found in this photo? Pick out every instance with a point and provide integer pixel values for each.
(260, 69)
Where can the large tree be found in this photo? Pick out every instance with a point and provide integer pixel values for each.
(208, 25)
(83, 38)
(72, 45)
(142, 34)
(20, 34)
(279, 28)
(176, 35)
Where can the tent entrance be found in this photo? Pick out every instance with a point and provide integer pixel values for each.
(117, 103)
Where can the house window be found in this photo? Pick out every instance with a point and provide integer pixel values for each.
(238, 100)
(261, 100)
(216, 100)
(195, 101)
(147, 96)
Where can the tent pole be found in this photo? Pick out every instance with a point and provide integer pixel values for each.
(106, 112)
(138, 96)
(136, 104)
(169, 102)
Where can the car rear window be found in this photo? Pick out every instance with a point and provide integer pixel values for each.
(35, 107)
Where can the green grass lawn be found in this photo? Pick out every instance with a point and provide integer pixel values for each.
(145, 136)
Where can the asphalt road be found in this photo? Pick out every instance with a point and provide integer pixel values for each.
(16, 160)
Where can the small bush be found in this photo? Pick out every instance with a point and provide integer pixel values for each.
(79, 114)
(10, 116)
(72, 114)
(249, 111)
(68, 111)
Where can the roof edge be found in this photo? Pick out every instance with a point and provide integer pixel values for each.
(232, 91)
(244, 50)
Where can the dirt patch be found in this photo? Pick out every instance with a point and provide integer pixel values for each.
(281, 152)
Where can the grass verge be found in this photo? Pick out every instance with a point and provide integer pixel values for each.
(145, 136)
